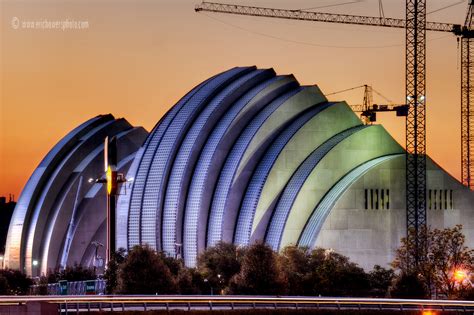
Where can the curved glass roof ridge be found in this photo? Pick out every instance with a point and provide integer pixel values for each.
(252, 195)
(141, 173)
(87, 163)
(231, 164)
(76, 132)
(320, 213)
(161, 160)
(20, 221)
(36, 229)
(178, 181)
(282, 209)
(213, 144)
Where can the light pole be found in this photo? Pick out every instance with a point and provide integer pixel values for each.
(35, 266)
(112, 180)
(210, 285)
(220, 282)
(97, 258)
(177, 250)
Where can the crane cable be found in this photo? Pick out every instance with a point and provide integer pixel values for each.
(379, 94)
(303, 42)
(346, 90)
(330, 5)
(358, 87)
(446, 7)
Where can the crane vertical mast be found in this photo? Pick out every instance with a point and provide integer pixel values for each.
(467, 101)
(416, 119)
(368, 98)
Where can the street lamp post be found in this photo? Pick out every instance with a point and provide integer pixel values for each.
(177, 250)
(35, 264)
(221, 283)
(112, 180)
(210, 285)
(97, 259)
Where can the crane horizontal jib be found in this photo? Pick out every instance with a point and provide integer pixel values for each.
(320, 16)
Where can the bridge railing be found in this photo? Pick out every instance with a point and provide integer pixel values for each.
(79, 303)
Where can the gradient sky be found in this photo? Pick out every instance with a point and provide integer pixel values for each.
(137, 58)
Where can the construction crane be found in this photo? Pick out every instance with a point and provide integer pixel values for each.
(368, 110)
(414, 11)
(467, 105)
(415, 26)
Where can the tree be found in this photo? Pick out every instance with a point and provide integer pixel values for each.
(190, 281)
(174, 265)
(409, 286)
(145, 272)
(4, 288)
(18, 282)
(111, 272)
(468, 294)
(52, 276)
(41, 286)
(380, 280)
(332, 274)
(260, 273)
(111, 277)
(440, 254)
(75, 273)
(295, 265)
(219, 264)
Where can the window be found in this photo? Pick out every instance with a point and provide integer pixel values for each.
(451, 199)
(371, 199)
(382, 198)
(445, 199)
(429, 200)
(376, 199)
(440, 199)
(366, 201)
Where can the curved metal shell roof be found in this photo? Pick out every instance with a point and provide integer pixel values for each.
(247, 155)
(208, 164)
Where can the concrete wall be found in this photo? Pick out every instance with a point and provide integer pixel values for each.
(371, 236)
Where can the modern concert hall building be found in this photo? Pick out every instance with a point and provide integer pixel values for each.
(245, 156)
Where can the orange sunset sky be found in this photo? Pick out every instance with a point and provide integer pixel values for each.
(137, 58)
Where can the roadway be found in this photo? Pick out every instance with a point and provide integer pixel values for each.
(168, 302)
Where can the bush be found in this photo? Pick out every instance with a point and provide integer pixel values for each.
(111, 272)
(333, 274)
(17, 282)
(409, 286)
(260, 273)
(219, 264)
(4, 288)
(190, 281)
(145, 272)
(380, 280)
(295, 264)
(76, 273)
